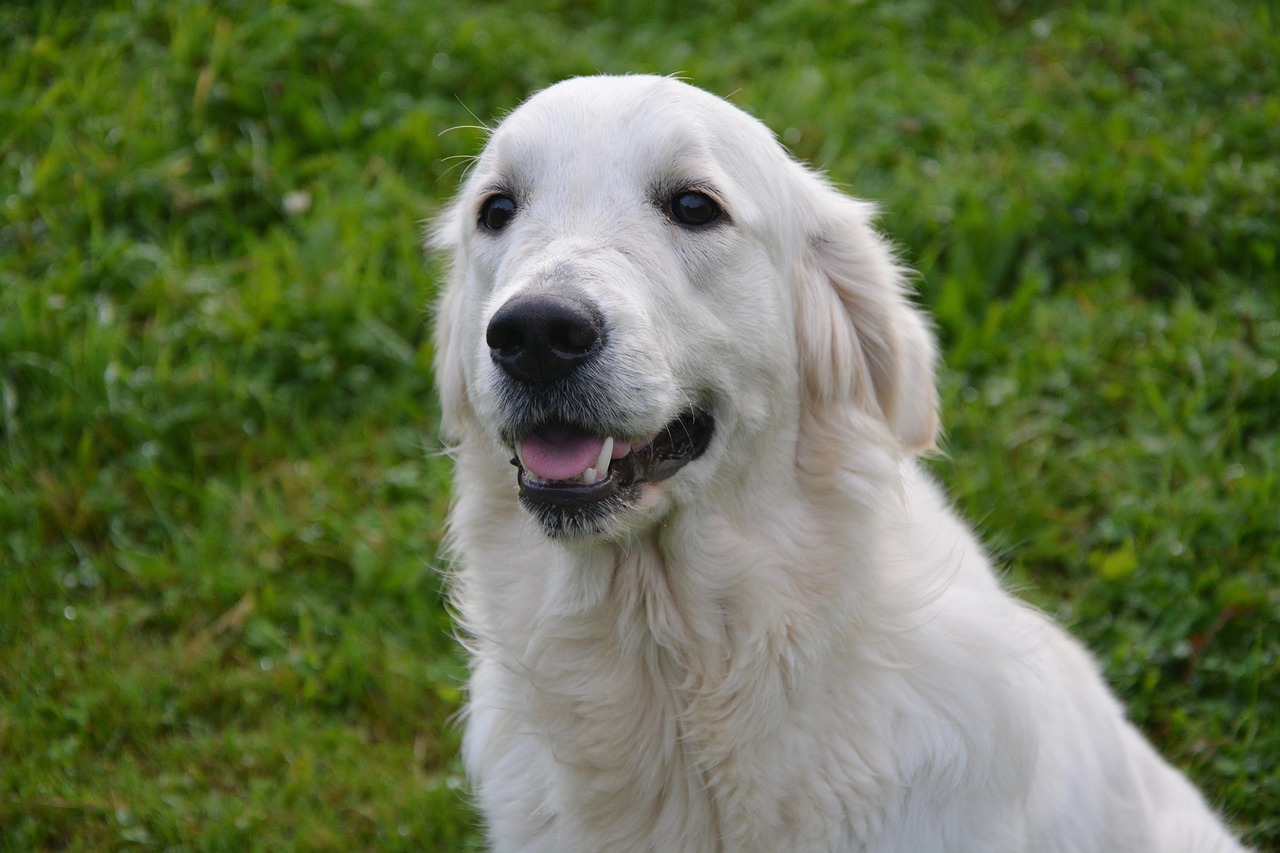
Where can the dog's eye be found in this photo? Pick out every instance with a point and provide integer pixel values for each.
(496, 212)
(694, 208)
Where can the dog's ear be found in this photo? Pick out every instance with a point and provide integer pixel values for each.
(449, 320)
(861, 339)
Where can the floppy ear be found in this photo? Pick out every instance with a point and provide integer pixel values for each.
(449, 326)
(861, 340)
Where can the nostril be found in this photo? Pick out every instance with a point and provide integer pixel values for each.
(504, 334)
(572, 337)
(542, 338)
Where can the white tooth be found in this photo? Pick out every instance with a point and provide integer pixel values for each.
(520, 456)
(589, 476)
(606, 453)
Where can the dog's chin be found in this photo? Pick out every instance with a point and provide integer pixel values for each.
(606, 503)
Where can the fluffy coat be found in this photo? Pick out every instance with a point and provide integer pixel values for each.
(792, 644)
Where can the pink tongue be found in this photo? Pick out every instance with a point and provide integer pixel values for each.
(559, 453)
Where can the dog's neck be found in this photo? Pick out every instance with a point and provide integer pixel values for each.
(700, 588)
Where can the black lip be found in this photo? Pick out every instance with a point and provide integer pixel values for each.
(564, 506)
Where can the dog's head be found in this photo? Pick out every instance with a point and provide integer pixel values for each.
(646, 295)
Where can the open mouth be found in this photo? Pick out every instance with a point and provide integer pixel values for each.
(566, 469)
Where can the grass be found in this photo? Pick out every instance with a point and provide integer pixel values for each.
(220, 627)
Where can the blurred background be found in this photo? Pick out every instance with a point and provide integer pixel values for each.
(222, 626)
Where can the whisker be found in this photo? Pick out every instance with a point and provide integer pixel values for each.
(466, 161)
(485, 130)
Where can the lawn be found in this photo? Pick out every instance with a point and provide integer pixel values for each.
(221, 624)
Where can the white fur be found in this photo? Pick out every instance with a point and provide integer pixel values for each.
(793, 644)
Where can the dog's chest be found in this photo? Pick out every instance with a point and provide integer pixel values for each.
(637, 742)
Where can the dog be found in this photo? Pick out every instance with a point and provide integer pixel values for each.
(712, 600)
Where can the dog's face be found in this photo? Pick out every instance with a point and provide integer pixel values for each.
(640, 302)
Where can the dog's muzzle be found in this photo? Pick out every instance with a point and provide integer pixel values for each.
(575, 472)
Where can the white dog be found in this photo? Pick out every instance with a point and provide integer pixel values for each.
(716, 605)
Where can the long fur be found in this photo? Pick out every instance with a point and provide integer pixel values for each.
(793, 644)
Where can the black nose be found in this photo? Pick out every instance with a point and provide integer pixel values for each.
(542, 338)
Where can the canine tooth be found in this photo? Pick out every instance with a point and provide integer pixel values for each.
(589, 476)
(606, 454)
(520, 455)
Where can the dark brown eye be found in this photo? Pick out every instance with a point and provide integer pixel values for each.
(694, 209)
(496, 212)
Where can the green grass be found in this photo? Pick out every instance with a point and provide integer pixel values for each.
(220, 501)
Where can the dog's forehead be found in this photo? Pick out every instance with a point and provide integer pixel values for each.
(617, 123)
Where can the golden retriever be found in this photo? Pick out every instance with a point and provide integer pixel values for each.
(713, 601)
